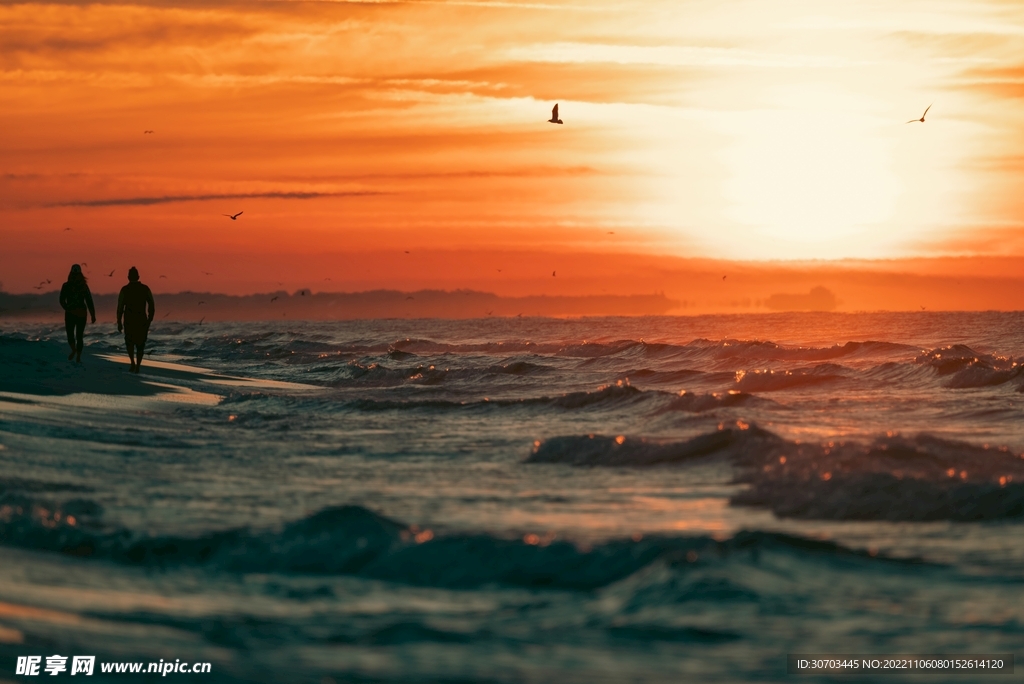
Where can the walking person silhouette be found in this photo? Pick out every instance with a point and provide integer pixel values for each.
(76, 300)
(135, 305)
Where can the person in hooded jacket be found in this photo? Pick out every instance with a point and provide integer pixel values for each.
(135, 305)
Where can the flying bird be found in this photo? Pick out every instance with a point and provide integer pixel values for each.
(67, 229)
(273, 299)
(200, 303)
(554, 115)
(724, 277)
(326, 278)
(166, 315)
(611, 232)
(921, 120)
(207, 273)
(233, 217)
(201, 320)
(145, 132)
(48, 281)
(38, 287)
(406, 251)
(163, 276)
(111, 274)
(83, 263)
(552, 274)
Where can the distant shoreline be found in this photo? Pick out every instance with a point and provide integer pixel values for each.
(306, 305)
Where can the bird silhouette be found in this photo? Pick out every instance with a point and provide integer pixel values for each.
(611, 232)
(273, 299)
(724, 277)
(83, 263)
(145, 132)
(488, 313)
(67, 229)
(207, 273)
(200, 303)
(326, 278)
(111, 274)
(406, 251)
(921, 120)
(38, 287)
(554, 116)
(234, 217)
(552, 274)
(201, 320)
(163, 276)
(166, 315)
(48, 281)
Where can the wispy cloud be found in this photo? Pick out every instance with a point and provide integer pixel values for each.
(168, 199)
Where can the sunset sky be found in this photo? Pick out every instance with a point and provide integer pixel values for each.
(351, 132)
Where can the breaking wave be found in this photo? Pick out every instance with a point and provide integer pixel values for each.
(893, 478)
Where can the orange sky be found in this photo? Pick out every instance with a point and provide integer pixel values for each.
(352, 132)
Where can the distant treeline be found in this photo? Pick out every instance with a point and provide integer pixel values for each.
(304, 305)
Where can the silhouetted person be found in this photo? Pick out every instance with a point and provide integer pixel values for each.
(135, 305)
(76, 300)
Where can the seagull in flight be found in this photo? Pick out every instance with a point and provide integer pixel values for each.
(207, 273)
(67, 229)
(145, 132)
(921, 120)
(554, 115)
(273, 299)
(163, 276)
(233, 217)
(111, 274)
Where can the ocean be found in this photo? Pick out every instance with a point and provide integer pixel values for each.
(654, 499)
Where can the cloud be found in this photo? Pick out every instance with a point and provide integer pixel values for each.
(167, 199)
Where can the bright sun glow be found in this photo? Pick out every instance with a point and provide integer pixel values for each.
(809, 178)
